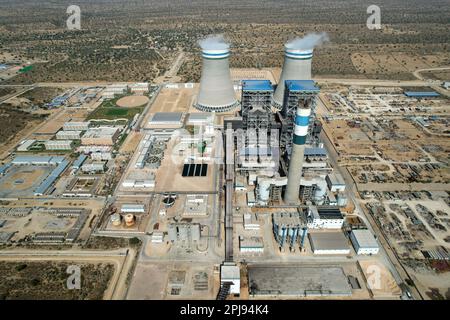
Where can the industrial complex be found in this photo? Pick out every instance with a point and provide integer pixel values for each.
(243, 188)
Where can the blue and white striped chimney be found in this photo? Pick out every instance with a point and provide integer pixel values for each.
(297, 154)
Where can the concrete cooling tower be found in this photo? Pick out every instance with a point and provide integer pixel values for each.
(216, 89)
(297, 66)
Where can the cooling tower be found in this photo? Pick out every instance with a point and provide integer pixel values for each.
(216, 89)
(297, 66)
(291, 194)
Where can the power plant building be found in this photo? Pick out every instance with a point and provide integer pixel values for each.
(256, 103)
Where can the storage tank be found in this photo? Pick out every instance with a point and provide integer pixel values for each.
(116, 219)
(129, 220)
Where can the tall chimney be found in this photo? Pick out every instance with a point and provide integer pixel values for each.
(216, 89)
(297, 155)
(297, 66)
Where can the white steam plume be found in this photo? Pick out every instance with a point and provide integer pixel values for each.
(214, 42)
(308, 42)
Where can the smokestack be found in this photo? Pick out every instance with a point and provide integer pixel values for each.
(216, 89)
(297, 154)
(298, 55)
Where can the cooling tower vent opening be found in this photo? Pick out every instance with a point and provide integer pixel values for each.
(298, 54)
(216, 54)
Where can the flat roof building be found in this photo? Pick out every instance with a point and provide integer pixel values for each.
(101, 136)
(364, 242)
(328, 243)
(230, 273)
(76, 126)
(68, 135)
(133, 208)
(58, 144)
(167, 118)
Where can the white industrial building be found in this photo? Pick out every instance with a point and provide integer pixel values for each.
(328, 243)
(230, 273)
(58, 145)
(76, 126)
(94, 148)
(101, 156)
(251, 244)
(68, 135)
(364, 242)
(139, 88)
(132, 208)
(138, 184)
(324, 218)
(93, 167)
(335, 182)
(115, 89)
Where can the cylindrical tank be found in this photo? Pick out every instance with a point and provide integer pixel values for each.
(297, 66)
(116, 219)
(168, 202)
(129, 220)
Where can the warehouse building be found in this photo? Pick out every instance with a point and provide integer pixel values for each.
(230, 274)
(251, 244)
(76, 126)
(364, 242)
(328, 243)
(58, 144)
(101, 136)
(68, 135)
(167, 119)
